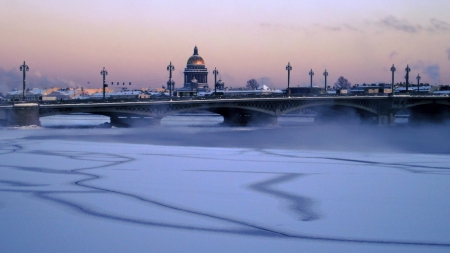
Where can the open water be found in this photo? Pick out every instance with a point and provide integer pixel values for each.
(185, 120)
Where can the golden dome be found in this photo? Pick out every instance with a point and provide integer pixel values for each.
(195, 59)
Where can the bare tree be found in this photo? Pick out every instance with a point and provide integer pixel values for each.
(342, 83)
(252, 84)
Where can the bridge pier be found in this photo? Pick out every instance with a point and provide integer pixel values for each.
(243, 119)
(20, 114)
(343, 115)
(429, 113)
(386, 115)
(134, 121)
(386, 119)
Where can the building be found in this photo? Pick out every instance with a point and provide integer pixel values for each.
(195, 76)
(89, 91)
(144, 95)
(304, 90)
(125, 94)
(220, 85)
(374, 88)
(34, 94)
(62, 94)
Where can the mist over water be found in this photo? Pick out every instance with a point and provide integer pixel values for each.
(290, 133)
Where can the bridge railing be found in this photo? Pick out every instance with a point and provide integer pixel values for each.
(164, 99)
(209, 98)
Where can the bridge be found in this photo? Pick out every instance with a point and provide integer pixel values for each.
(379, 109)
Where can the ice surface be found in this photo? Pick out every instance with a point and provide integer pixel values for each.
(84, 196)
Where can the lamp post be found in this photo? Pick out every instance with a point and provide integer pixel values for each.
(215, 72)
(289, 68)
(407, 76)
(104, 73)
(393, 69)
(325, 74)
(418, 81)
(311, 73)
(24, 68)
(170, 83)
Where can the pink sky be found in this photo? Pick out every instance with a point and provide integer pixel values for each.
(68, 43)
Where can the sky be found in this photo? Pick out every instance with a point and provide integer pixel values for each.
(67, 43)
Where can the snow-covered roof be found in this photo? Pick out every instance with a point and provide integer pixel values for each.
(447, 92)
(36, 91)
(264, 87)
(99, 95)
(14, 92)
(413, 88)
(126, 92)
(81, 97)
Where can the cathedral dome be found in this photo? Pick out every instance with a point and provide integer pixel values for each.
(195, 59)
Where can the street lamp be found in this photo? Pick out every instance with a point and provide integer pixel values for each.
(24, 68)
(407, 76)
(393, 69)
(289, 68)
(418, 81)
(215, 72)
(104, 73)
(170, 83)
(325, 74)
(311, 73)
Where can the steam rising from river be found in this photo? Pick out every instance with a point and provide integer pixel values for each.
(290, 133)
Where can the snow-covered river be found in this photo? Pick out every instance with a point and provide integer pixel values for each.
(204, 188)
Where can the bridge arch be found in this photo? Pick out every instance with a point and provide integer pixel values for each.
(233, 110)
(428, 111)
(420, 102)
(369, 107)
(338, 111)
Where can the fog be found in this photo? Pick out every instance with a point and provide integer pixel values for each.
(290, 133)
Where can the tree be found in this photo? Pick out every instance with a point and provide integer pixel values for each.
(252, 84)
(342, 83)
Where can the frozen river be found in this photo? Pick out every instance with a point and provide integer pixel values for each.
(200, 187)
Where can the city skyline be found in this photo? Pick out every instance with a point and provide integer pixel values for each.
(68, 44)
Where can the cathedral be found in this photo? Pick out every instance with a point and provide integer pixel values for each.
(195, 76)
